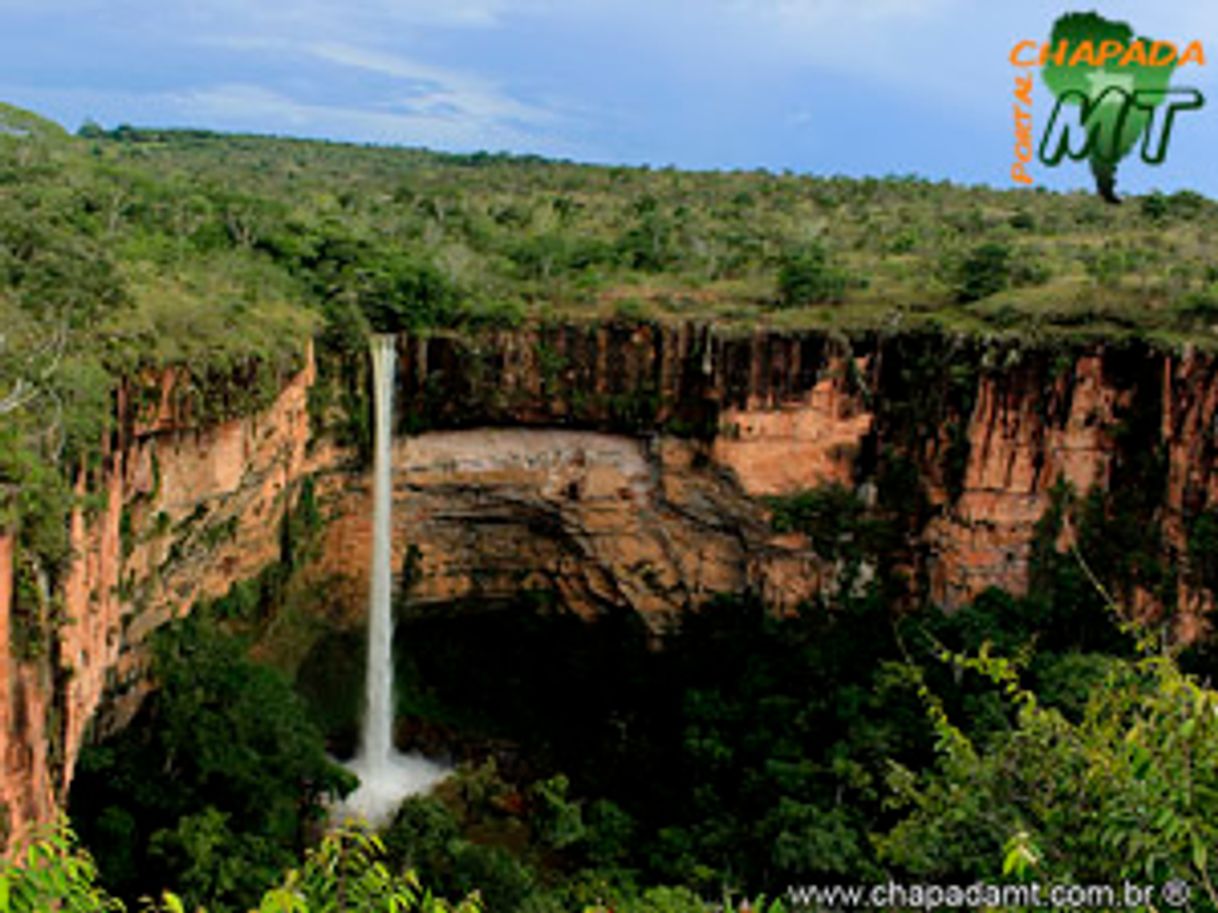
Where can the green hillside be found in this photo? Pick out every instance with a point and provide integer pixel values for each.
(127, 248)
(424, 238)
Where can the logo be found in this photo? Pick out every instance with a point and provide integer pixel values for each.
(1112, 93)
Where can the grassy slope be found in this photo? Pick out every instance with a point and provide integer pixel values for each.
(526, 236)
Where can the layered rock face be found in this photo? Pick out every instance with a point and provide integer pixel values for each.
(965, 440)
(604, 521)
(187, 511)
(621, 468)
(26, 787)
(616, 466)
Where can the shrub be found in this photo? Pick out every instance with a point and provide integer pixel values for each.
(1198, 307)
(1124, 792)
(984, 271)
(345, 872)
(806, 276)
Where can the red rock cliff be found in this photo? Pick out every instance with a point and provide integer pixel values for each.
(187, 511)
(986, 429)
(621, 467)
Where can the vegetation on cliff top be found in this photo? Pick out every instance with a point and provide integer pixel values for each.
(128, 249)
(423, 237)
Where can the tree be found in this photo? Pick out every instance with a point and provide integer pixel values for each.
(1130, 791)
(212, 788)
(984, 271)
(806, 276)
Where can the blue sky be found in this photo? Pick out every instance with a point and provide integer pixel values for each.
(823, 86)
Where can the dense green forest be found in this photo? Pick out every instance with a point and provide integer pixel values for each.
(1020, 739)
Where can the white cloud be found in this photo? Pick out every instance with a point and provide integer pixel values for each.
(240, 106)
(437, 88)
(246, 107)
(348, 19)
(337, 15)
(299, 17)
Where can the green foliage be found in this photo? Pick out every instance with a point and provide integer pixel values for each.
(52, 873)
(984, 271)
(609, 833)
(807, 276)
(831, 516)
(559, 821)
(421, 834)
(194, 246)
(1126, 792)
(930, 382)
(24, 125)
(346, 871)
(254, 601)
(666, 900)
(543, 257)
(648, 244)
(398, 292)
(427, 836)
(1183, 204)
(212, 788)
(209, 862)
(39, 500)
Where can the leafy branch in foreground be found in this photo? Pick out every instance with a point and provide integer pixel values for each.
(346, 872)
(52, 873)
(1127, 791)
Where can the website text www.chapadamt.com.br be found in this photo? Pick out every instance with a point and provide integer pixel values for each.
(1172, 894)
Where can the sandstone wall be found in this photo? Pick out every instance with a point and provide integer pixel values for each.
(620, 466)
(990, 428)
(607, 522)
(188, 510)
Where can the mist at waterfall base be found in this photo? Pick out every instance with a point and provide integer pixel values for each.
(386, 775)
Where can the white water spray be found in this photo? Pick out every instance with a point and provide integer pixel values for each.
(386, 776)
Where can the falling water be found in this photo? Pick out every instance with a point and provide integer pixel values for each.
(378, 720)
(386, 776)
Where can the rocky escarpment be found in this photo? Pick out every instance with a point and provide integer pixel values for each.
(186, 507)
(604, 521)
(623, 468)
(591, 461)
(966, 442)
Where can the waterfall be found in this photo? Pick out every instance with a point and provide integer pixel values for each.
(378, 717)
(386, 776)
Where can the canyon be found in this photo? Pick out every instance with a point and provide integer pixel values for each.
(622, 467)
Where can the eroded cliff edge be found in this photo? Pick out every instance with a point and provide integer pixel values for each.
(967, 442)
(621, 467)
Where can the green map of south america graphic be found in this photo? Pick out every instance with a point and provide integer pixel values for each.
(1103, 91)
